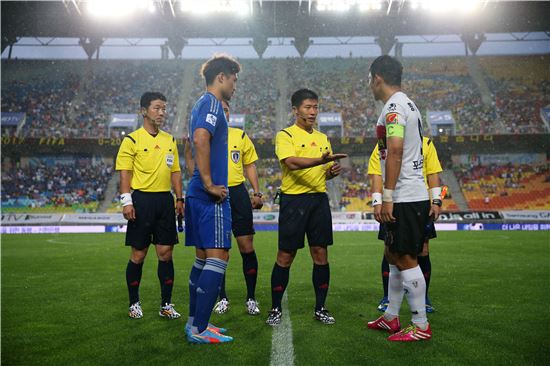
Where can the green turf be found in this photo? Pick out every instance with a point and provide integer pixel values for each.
(64, 303)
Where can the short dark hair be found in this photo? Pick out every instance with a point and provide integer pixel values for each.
(219, 63)
(389, 68)
(148, 97)
(300, 95)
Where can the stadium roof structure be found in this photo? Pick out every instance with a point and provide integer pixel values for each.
(300, 19)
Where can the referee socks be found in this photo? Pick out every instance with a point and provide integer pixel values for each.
(165, 272)
(385, 269)
(208, 287)
(426, 267)
(279, 282)
(321, 279)
(250, 271)
(133, 279)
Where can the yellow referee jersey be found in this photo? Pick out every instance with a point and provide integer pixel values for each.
(152, 160)
(241, 152)
(431, 161)
(294, 141)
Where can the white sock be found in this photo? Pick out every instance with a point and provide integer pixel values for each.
(415, 290)
(395, 293)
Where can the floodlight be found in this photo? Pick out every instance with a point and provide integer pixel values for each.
(111, 8)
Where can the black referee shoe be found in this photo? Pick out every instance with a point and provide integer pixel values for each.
(274, 317)
(324, 316)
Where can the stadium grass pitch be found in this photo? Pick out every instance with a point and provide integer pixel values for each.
(64, 302)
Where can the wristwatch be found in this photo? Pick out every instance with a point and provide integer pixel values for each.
(258, 194)
(180, 199)
(437, 202)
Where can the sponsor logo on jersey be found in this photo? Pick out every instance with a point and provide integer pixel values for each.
(418, 164)
(381, 141)
(210, 118)
(392, 107)
(391, 118)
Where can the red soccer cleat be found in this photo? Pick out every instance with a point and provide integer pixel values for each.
(383, 324)
(412, 334)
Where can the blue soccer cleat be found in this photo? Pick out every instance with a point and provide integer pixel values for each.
(383, 305)
(429, 307)
(212, 327)
(208, 337)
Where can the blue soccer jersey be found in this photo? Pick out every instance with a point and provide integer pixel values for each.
(208, 114)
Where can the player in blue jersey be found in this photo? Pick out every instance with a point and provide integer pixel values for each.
(207, 210)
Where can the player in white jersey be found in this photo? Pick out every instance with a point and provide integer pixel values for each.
(405, 200)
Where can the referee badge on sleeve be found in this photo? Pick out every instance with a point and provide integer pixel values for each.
(169, 160)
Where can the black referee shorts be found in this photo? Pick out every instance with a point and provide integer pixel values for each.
(155, 220)
(301, 215)
(241, 211)
(407, 234)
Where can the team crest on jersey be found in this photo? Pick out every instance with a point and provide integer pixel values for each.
(391, 118)
(235, 156)
(210, 118)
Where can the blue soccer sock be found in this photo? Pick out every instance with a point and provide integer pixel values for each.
(196, 271)
(208, 287)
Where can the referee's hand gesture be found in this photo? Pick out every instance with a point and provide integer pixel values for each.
(327, 157)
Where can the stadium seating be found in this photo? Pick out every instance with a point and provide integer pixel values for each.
(511, 187)
(521, 86)
(75, 99)
(55, 184)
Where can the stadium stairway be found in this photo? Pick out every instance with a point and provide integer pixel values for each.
(479, 78)
(334, 190)
(110, 192)
(282, 86)
(180, 125)
(452, 183)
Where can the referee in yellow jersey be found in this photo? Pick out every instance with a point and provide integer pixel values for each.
(431, 169)
(149, 166)
(242, 156)
(306, 160)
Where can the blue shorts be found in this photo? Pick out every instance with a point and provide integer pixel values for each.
(207, 224)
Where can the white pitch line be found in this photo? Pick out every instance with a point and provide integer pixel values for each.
(55, 241)
(282, 348)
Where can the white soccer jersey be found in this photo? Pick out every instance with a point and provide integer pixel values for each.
(399, 109)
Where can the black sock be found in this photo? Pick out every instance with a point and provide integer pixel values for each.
(133, 278)
(321, 280)
(385, 275)
(223, 295)
(165, 272)
(250, 271)
(279, 282)
(426, 268)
